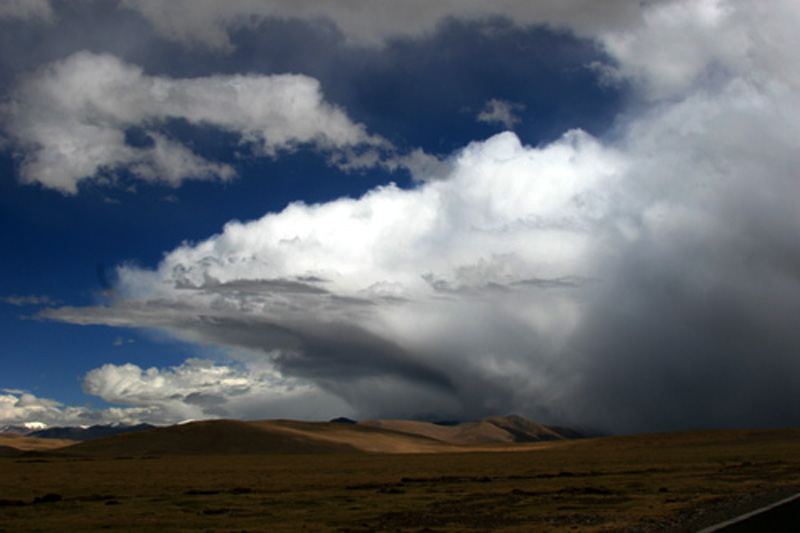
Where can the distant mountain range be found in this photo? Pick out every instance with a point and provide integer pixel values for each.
(74, 433)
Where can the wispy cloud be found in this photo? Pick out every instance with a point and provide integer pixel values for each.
(502, 112)
(122, 341)
(28, 300)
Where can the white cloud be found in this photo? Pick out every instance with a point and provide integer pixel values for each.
(26, 10)
(382, 293)
(197, 389)
(490, 205)
(678, 43)
(500, 111)
(70, 120)
(24, 408)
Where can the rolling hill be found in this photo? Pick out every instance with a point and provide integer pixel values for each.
(491, 430)
(13, 444)
(210, 437)
(223, 437)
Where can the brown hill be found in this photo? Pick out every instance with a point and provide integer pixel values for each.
(363, 438)
(10, 442)
(491, 430)
(222, 437)
(525, 430)
(210, 437)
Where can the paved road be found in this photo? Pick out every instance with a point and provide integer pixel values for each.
(779, 519)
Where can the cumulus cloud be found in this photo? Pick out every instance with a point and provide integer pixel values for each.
(421, 297)
(70, 120)
(197, 389)
(20, 407)
(500, 111)
(679, 44)
(644, 281)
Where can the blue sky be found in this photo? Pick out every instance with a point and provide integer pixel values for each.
(585, 215)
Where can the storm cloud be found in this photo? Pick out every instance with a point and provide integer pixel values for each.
(645, 279)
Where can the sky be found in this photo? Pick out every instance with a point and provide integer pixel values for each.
(581, 212)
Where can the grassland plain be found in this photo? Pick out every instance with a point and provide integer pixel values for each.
(658, 482)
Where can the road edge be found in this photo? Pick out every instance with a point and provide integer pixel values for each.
(742, 518)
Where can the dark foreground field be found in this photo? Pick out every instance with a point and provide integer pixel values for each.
(664, 482)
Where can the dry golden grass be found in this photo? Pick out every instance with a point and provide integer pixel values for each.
(472, 432)
(360, 438)
(496, 429)
(661, 482)
(211, 437)
(18, 442)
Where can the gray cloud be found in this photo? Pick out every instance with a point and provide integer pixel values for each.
(500, 111)
(35, 10)
(260, 285)
(373, 23)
